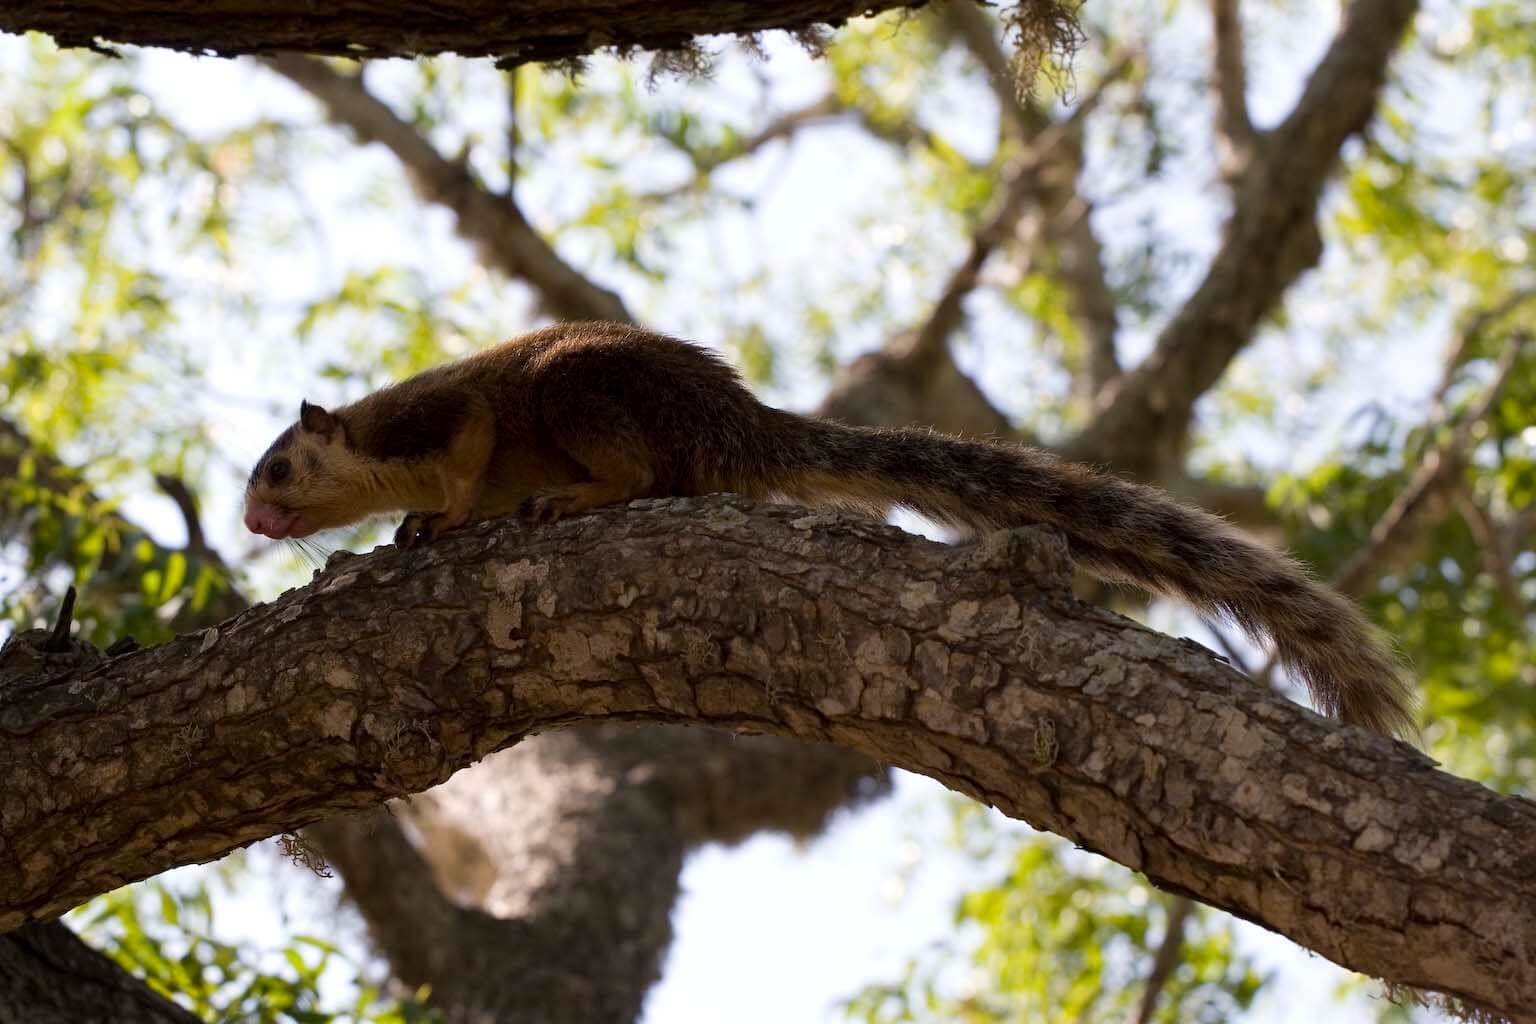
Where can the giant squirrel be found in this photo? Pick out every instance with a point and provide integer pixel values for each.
(578, 416)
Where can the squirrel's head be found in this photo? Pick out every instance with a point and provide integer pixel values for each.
(300, 485)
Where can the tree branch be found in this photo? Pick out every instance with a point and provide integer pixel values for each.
(604, 817)
(785, 126)
(177, 490)
(1270, 240)
(1094, 309)
(48, 976)
(1490, 545)
(1468, 336)
(1234, 131)
(1397, 524)
(116, 577)
(978, 33)
(913, 380)
(521, 31)
(781, 127)
(492, 223)
(1069, 227)
(973, 666)
(1024, 187)
(1167, 957)
(819, 780)
(514, 129)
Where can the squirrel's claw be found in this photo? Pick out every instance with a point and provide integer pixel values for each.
(419, 528)
(542, 508)
(405, 534)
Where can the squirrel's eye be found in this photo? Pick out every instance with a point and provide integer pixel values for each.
(278, 471)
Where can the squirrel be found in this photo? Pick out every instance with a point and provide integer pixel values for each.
(583, 415)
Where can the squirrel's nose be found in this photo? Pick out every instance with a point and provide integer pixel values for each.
(253, 519)
(265, 519)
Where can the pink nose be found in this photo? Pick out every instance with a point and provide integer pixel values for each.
(269, 520)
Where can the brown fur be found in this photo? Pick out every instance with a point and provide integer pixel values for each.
(583, 415)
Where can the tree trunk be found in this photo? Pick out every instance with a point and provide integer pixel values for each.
(566, 917)
(48, 976)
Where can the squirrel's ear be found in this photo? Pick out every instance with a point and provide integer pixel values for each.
(316, 420)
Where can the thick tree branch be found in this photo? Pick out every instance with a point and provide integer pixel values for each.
(972, 666)
(728, 777)
(1270, 240)
(48, 976)
(492, 223)
(517, 31)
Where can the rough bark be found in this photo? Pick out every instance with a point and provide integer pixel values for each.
(926, 403)
(513, 31)
(48, 976)
(973, 666)
(717, 788)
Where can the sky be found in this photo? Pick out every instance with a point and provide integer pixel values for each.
(769, 931)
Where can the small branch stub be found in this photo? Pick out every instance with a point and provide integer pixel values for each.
(58, 640)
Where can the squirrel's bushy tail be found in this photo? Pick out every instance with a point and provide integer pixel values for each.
(1119, 531)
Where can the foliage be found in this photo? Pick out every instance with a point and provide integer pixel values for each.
(1061, 937)
(66, 531)
(168, 291)
(165, 935)
(1458, 610)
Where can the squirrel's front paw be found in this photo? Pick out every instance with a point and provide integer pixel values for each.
(543, 507)
(420, 528)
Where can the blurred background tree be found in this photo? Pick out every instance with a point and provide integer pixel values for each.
(1178, 255)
